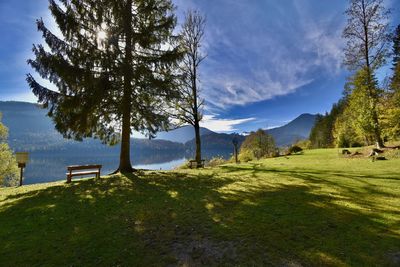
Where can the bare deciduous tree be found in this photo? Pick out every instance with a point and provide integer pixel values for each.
(367, 46)
(189, 108)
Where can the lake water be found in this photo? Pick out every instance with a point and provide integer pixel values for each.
(48, 167)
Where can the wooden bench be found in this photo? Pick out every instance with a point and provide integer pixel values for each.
(82, 170)
(193, 163)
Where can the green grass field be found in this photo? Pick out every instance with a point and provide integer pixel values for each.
(316, 209)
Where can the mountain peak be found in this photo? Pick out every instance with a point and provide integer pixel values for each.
(306, 115)
(181, 134)
(297, 129)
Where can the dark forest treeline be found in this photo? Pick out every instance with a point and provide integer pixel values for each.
(322, 135)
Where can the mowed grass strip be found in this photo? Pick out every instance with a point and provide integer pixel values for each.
(316, 209)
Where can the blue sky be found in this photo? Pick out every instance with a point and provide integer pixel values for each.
(267, 61)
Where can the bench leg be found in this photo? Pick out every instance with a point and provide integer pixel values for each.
(69, 178)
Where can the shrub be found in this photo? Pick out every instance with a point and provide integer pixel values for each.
(304, 144)
(393, 153)
(260, 143)
(277, 153)
(294, 149)
(216, 161)
(8, 165)
(183, 166)
(246, 155)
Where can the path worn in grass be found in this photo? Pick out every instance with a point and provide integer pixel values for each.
(310, 210)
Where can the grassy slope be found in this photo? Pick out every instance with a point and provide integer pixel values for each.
(314, 209)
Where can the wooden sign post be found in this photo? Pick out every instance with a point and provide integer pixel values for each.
(22, 159)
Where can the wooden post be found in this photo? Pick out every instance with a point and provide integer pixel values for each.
(20, 177)
(235, 143)
(21, 166)
(69, 176)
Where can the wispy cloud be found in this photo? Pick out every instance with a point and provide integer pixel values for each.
(222, 125)
(322, 36)
(260, 51)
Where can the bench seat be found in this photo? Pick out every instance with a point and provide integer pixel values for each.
(82, 170)
(82, 173)
(193, 163)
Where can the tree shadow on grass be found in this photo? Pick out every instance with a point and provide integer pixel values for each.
(361, 189)
(367, 183)
(260, 168)
(165, 218)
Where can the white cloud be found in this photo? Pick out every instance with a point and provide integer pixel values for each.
(234, 90)
(269, 49)
(24, 97)
(322, 36)
(222, 125)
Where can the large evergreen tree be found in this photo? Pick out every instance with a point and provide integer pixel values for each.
(354, 124)
(396, 47)
(393, 110)
(322, 133)
(361, 106)
(367, 46)
(113, 66)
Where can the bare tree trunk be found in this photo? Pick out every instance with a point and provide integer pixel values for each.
(371, 89)
(196, 118)
(236, 153)
(193, 31)
(377, 131)
(198, 143)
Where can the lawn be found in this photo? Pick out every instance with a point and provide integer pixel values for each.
(316, 209)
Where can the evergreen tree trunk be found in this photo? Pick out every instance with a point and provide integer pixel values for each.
(125, 159)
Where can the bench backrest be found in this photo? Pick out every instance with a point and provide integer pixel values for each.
(83, 167)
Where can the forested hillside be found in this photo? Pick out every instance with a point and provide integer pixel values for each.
(30, 129)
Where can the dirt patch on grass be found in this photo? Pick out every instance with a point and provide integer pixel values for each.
(389, 152)
(204, 252)
(394, 258)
